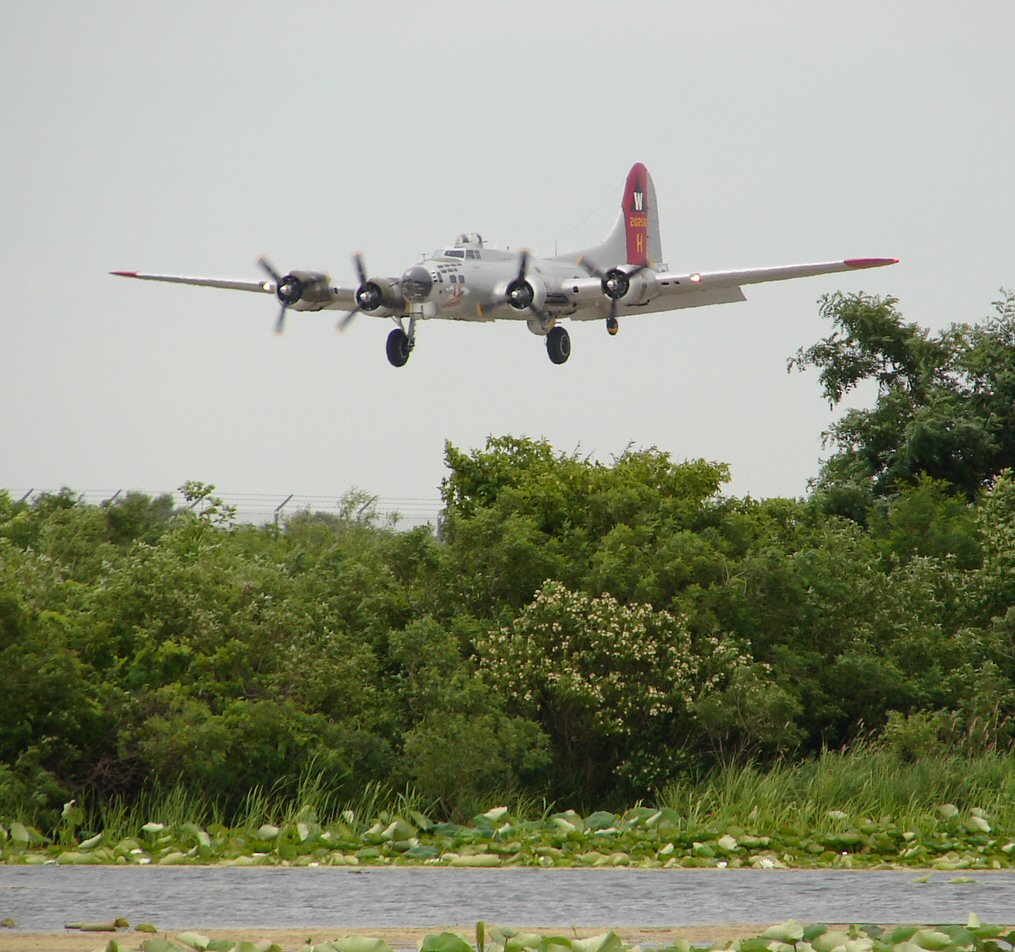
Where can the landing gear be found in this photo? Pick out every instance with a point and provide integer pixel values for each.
(612, 326)
(399, 347)
(558, 345)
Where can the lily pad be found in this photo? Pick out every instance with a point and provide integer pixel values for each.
(477, 859)
(193, 940)
(497, 813)
(20, 836)
(158, 944)
(444, 942)
(360, 943)
(609, 942)
(789, 932)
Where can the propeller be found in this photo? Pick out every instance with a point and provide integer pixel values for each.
(615, 283)
(520, 294)
(368, 295)
(288, 289)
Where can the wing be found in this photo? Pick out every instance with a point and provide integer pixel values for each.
(701, 280)
(653, 291)
(316, 291)
(721, 287)
(266, 286)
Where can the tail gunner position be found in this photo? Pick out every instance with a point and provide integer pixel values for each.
(621, 277)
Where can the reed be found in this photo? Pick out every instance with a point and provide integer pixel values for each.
(860, 781)
(811, 797)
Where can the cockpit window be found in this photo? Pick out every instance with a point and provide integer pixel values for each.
(471, 254)
(454, 253)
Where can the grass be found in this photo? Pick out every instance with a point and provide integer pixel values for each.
(864, 806)
(861, 781)
(178, 806)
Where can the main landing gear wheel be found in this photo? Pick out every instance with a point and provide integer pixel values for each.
(399, 347)
(558, 345)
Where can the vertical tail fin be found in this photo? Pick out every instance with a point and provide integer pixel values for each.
(634, 238)
(641, 224)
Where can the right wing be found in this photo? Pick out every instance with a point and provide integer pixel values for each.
(317, 292)
(266, 286)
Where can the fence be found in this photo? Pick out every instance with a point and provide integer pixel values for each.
(261, 508)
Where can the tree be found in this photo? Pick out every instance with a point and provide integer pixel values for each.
(461, 744)
(518, 513)
(945, 404)
(611, 685)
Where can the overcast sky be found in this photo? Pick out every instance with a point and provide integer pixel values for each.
(191, 137)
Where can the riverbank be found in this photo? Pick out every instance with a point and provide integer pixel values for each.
(398, 938)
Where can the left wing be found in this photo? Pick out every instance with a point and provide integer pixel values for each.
(724, 287)
(652, 291)
(699, 280)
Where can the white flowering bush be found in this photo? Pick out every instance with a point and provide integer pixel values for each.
(609, 682)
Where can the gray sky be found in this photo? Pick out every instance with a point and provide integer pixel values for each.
(190, 137)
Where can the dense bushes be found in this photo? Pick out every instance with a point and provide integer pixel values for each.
(577, 630)
(574, 630)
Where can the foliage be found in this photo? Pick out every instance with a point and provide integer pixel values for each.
(574, 631)
(857, 808)
(945, 406)
(609, 683)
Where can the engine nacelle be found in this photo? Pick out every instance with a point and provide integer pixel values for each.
(307, 287)
(644, 287)
(633, 289)
(523, 293)
(380, 292)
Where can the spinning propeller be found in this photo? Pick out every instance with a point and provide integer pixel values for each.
(615, 283)
(520, 294)
(369, 295)
(288, 289)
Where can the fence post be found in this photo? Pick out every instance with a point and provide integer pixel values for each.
(280, 506)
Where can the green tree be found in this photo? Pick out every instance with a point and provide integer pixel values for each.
(518, 513)
(944, 404)
(925, 519)
(462, 746)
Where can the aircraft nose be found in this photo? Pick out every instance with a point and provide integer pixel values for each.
(416, 283)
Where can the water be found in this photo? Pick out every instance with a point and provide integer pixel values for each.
(45, 898)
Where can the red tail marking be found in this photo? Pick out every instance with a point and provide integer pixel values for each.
(636, 212)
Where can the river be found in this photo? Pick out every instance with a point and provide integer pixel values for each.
(45, 898)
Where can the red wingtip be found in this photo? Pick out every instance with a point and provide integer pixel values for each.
(125, 274)
(869, 262)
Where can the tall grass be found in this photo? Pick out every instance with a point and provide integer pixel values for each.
(861, 781)
(314, 797)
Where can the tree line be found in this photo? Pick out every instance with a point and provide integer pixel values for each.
(581, 630)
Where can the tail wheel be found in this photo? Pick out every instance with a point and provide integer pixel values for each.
(558, 345)
(398, 347)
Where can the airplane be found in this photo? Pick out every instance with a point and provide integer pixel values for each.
(621, 277)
